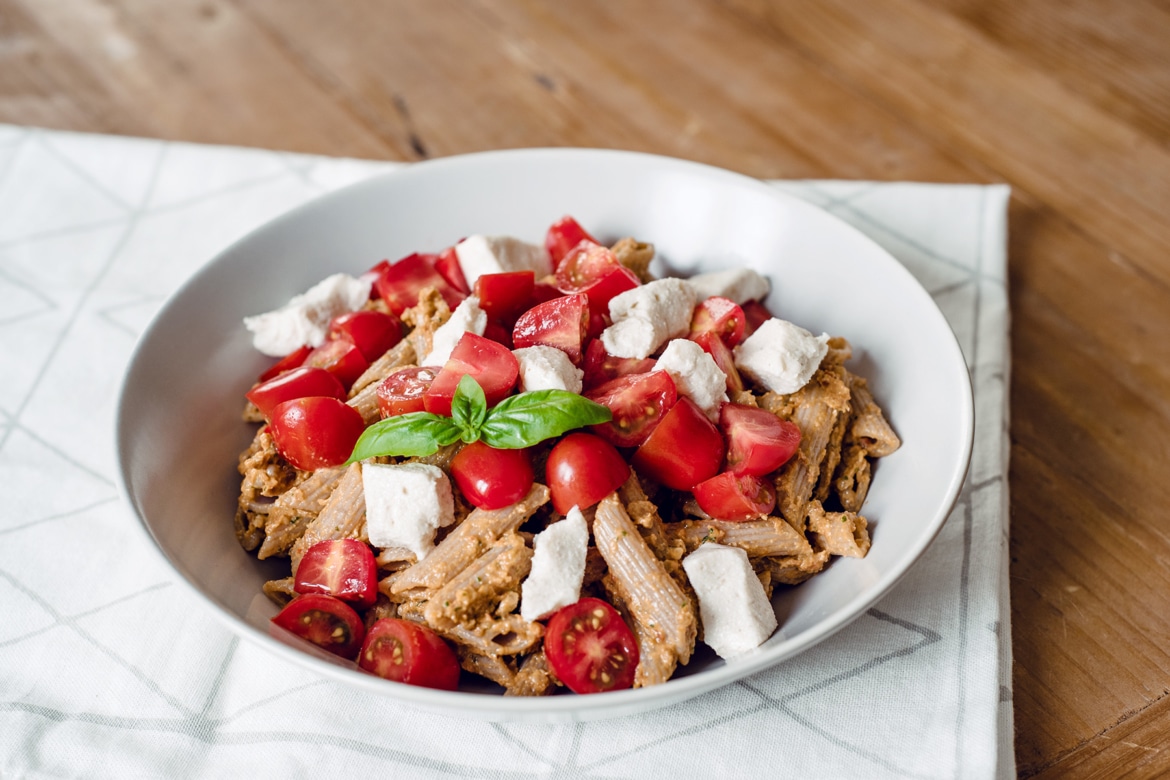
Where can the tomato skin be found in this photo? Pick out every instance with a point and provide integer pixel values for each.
(590, 648)
(756, 315)
(683, 450)
(600, 366)
(402, 392)
(340, 358)
(723, 357)
(735, 497)
(581, 470)
(317, 432)
(721, 316)
(562, 236)
(492, 478)
(447, 264)
(409, 653)
(562, 323)
(342, 568)
(758, 442)
(504, 297)
(297, 383)
(400, 283)
(327, 622)
(498, 333)
(542, 292)
(372, 332)
(489, 363)
(638, 403)
(287, 363)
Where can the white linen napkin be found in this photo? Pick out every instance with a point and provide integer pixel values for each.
(110, 670)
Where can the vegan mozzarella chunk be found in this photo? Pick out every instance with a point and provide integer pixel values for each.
(645, 317)
(558, 567)
(733, 607)
(781, 356)
(479, 255)
(406, 504)
(305, 318)
(738, 284)
(695, 375)
(547, 368)
(467, 318)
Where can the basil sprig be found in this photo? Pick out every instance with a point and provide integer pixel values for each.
(516, 422)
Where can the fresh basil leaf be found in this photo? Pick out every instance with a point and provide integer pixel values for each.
(414, 434)
(526, 419)
(468, 408)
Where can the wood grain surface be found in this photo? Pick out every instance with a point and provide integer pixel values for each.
(1069, 102)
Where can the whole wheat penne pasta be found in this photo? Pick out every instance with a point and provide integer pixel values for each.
(840, 533)
(468, 541)
(478, 589)
(767, 536)
(657, 659)
(853, 475)
(294, 509)
(534, 677)
(493, 667)
(424, 318)
(509, 635)
(281, 591)
(342, 517)
(869, 427)
(635, 255)
(832, 457)
(795, 569)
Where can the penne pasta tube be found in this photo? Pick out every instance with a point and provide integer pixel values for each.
(478, 588)
(769, 536)
(869, 427)
(839, 533)
(294, 509)
(852, 480)
(342, 517)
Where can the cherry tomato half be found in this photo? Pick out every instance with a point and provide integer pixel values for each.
(595, 271)
(713, 345)
(488, 362)
(372, 332)
(504, 297)
(409, 653)
(326, 622)
(582, 469)
(287, 363)
(758, 442)
(297, 383)
(491, 478)
(721, 316)
(400, 283)
(638, 402)
(756, 314)
(402, 392)
(562, 323)
(315, 433)
(683, 450)
(447, 264)
(562, 236)
(342, 568)
(590, 648)
(600, 366)
(735, 497)
(340, 358)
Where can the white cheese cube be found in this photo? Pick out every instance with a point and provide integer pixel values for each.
(695, 375)
(467, 318)
(547, 368)
(479, 255)
(405, 504)
(781, 356)
(305, 318)
(739, 284)
(645, 317)
(558, 567)
(735, 611)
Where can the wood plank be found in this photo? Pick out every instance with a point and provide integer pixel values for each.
(198, 70)
(1138, 747)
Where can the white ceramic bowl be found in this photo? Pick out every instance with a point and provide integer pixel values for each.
(179, 431)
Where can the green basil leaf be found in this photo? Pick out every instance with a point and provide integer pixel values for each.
(410, 435)
(526, 419)
(468, 408)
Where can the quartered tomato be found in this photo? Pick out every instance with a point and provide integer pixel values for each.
(400, 283)
(327, 622)
(372, 332)
(314, 433)
(721, 316)
(342, 568)
(447, 264)
(297, 383)
(491, 478)
(402, 392)
(409, 653)
(713, 345)
(756, 315)
(488, 362)
(562, 323)
(735, 497)
(582, 469)
(683, 450)
(638, 403)
(498, 333)
(758, 442)
(542, 292)
(504, 297)
(593, 270)
(600, 366)
(340, 358)
(563, 235)
(287, 363)
(590, 648)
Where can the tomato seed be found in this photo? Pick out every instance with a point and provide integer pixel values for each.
(605, 678)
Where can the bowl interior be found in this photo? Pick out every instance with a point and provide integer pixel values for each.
(179, 431)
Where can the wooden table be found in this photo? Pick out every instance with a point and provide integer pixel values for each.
(1069, 102)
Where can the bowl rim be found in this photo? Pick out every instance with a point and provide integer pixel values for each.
(561, 707)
